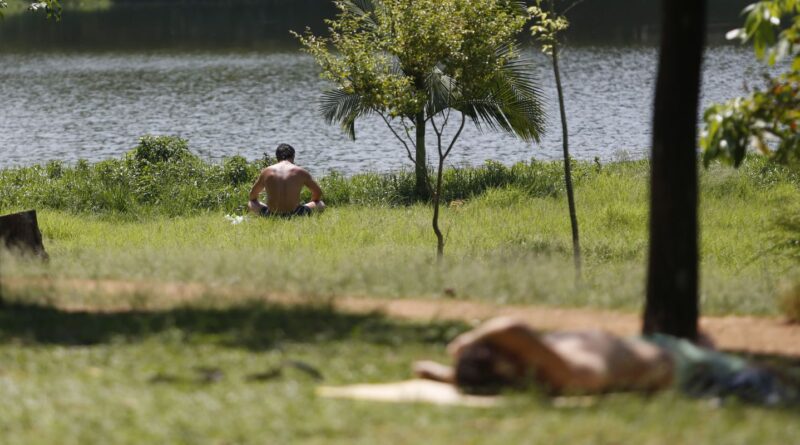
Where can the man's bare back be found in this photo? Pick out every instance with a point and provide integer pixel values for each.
(283, 183)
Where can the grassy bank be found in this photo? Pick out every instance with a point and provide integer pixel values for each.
(507, 232)
(168, 371)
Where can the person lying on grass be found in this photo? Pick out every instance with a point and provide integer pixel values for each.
(283, 182)
(507, 353)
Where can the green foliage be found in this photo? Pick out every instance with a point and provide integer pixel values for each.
(160, 149)
(768, 118)
(398, 58)
(546, 26)
(237, 170)
(162, 176)
(414, 61)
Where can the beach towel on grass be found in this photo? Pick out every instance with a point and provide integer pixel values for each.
(409, 391)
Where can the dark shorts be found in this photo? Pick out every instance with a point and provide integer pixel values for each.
(301, 210)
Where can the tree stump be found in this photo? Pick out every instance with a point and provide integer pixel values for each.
(20, 232)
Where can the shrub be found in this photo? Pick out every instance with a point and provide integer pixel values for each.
(236, 170)
(54, 169)
(159, 149)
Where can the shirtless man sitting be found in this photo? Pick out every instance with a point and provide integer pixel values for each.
(283, 182)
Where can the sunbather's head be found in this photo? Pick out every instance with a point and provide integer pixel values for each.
(285, 152)
(483, 369)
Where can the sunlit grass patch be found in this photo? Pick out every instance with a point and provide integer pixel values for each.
(210, 375)
(507, 232)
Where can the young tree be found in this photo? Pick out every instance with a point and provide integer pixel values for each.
(672, 303)
(416, 63)
(768, 119)
(547, 26)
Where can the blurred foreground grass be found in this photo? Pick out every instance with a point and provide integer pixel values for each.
(201, 375)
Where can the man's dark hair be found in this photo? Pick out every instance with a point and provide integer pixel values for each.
(284, 152)
(476, 371)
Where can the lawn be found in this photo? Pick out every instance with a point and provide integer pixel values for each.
(504, 245)
(191, 376)
(90, 367)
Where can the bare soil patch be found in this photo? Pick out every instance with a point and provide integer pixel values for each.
(760, 335)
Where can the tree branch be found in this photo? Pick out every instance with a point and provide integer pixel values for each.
(458, 133)
(408, 134)
(438, 135)
(408, 150)
(399, 138)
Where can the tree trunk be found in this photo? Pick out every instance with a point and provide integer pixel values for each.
(436, 200)
(573, 215)
(20, 231)
(421, 167)
(672, 302)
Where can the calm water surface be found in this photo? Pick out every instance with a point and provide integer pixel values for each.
(71, 105)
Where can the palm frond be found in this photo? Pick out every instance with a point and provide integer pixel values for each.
(511, 102)
(443, 91)
(361, 8)
(343, 108)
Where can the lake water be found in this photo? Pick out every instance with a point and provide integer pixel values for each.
(71, 103)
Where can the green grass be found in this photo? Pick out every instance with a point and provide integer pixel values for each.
(72, 377)
(132, 377)
(506, 244)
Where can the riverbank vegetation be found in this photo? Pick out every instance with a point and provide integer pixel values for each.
(159, 214)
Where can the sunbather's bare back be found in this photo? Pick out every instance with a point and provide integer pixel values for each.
(588, 361)
(283, 183)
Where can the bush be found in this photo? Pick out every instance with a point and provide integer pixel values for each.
(237, 171)
(159, 149)
(162, 176)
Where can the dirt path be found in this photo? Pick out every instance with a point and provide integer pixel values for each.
(752, 334)
(762, 335)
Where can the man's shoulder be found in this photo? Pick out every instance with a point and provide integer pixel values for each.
(300, 171)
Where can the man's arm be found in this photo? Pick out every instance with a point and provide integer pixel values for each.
(516, 338)
(316, 191)
(254, 204)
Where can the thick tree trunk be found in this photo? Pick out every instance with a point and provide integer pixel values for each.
(20, 231)
(421, 167)
(672, 302)
(573, 214)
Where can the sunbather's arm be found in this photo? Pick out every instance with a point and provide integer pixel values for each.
(518, 340)
(316, 191)
(254, 204)
(429, 370)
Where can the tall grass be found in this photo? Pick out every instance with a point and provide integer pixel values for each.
(161, 176)
(507, 230)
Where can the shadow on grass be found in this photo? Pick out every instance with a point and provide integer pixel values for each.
(255, 325)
